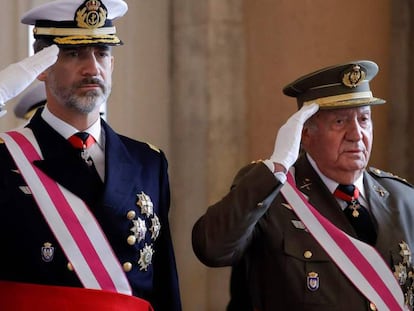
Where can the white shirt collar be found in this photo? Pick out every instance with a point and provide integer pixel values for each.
(331, 184)
(67, 130)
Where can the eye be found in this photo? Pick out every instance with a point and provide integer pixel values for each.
(365, 119)
(71, 53)
(339, 121)
(103, 52)
(103, 55)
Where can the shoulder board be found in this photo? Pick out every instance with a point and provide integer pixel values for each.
(382, 174)
(256, 161)
(153, 147)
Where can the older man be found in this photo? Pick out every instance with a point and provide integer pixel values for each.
(320, 230)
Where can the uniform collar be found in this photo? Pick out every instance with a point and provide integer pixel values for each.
(331, 184)
(67, 130)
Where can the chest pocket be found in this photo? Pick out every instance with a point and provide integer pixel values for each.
(310, 268)
(300, 244)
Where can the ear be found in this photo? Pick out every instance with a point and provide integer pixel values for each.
(42, 76)
(305, 136)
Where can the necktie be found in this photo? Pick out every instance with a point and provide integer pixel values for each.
(357, 215)
(82, 141)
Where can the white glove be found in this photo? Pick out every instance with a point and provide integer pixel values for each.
(18, 76)
(288, 138)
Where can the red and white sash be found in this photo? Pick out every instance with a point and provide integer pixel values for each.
(360, 262)
(70, 219)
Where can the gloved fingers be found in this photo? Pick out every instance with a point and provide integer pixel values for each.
(40, 61)
(289, 136)
(305, 113)
(16, 77)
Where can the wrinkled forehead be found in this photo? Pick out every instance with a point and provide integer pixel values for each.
(323, 116)
(345, 111)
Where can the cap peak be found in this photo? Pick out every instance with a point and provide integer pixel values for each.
(340, 86)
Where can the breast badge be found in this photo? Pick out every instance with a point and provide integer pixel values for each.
(312, 281)
(47, 252)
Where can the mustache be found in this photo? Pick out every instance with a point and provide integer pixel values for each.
(87, 81)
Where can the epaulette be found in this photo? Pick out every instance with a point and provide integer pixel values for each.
(256, 161)
(382, 174)
(153, 147)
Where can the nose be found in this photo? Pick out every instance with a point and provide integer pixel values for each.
(354, 130)
(90, 65)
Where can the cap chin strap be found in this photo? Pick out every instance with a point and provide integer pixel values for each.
(60, 32)
(337, 100)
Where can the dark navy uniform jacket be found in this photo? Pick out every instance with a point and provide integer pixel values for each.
(131, 168)
(273, 256)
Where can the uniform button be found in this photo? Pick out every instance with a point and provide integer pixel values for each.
(127, 266)
(372, 307)
(260, 204)
(69, 266)
(131, 240)
(307, 254)
(131, 215)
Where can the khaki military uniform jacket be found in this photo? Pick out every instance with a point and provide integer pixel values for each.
(279, 255)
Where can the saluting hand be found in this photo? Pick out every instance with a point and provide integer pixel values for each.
(287, 145)
(18, 76)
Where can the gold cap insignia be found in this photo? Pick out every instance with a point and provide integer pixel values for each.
(353, 77)
(91, 14)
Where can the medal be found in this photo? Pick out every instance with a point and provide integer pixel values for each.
(155, 227)
(355, 206)
(139, 229)
(145, 258)
(144, 201)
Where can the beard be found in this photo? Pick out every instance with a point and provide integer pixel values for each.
(86, 102)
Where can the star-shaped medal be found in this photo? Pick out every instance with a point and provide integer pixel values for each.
(145, 258)
(139, 229)
(144, 201)
(155, 227)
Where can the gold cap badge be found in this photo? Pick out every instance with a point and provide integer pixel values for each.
(353, 77)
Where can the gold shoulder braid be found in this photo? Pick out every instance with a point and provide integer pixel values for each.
(155, 148)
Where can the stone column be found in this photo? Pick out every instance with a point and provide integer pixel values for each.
(401, 95)
(208, 131)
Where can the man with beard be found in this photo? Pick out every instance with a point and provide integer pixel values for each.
(320, 229)
(84, 219)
